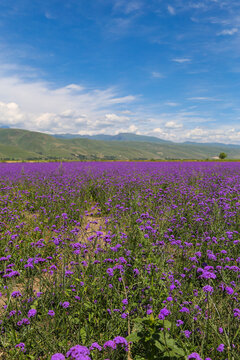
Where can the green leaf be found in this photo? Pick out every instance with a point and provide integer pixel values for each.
(159, 346)
(134, 337)
(83, 335)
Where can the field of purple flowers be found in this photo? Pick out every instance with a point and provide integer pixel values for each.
(135, 261)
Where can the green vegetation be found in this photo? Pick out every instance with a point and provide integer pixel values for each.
(16, 144)
(222, 156)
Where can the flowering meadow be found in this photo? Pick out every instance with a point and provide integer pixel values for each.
(120, 260)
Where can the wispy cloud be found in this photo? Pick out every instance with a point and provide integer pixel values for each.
(201, 134)
(49, 15)
(171, 103)
(38, 105)
(128, 7)
(203, 98)
(182, 60)
(173, 125)
(228, 31)
(171, 10)
(157, 75)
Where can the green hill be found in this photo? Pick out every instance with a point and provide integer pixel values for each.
(118, 137)
(16, 144)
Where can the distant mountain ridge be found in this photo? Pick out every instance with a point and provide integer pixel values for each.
(118, 137)
(17, 144)
(135, 137)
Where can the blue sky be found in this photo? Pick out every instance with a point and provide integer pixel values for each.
(165, 68)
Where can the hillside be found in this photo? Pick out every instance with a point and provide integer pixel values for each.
(16, 144)
(118, 137)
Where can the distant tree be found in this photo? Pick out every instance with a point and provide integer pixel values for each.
(222, 155)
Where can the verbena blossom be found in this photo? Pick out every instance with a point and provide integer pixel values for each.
(51, 313)
(208, 289)
(32, 313)
(65, 304)
(164, 313)
(194, 355)
(111, 344)
(95, 345)
(220, 348)
(21, 346)
(119, 340)
(58, 356)
(15, 294)
(79, 352)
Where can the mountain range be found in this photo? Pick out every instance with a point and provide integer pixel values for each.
(18, 144)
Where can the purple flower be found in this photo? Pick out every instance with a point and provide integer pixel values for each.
(163, 313)
(208, 289)
(236, 313)
(79, 352)
(65, 304)
(65, 216)
(136, 272)
(15, 294)
(51, 313)
(125, 301)
(194, 355)
(32, 313)
(122, 341)
(110, 272)
(21, 346)
(111, 344)
(229, 290)
(179, 322)
(184, 310)
(12, 313)
(207, 275)
(220, 330)
(11, 274)
(68, 273)
(220, 348)
(187, 333)
(58, 356)
(95, 345)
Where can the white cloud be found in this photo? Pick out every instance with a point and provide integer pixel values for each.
(201, 134)
(38, 105)
(157, 75)
(74, 87)
(127, 112)
(12, 112)
(132, 128)
(159, 131)
(228, 31)
(128, 7)
(171, 103)
(49, 15)
(171, 10)
(203, 98)
(173, 125)
(113, 118)
(181, 60)
(196, 133)
(41, 106)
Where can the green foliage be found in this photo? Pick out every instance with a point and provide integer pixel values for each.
(16, 144)
(151, 340)
(222, 155)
